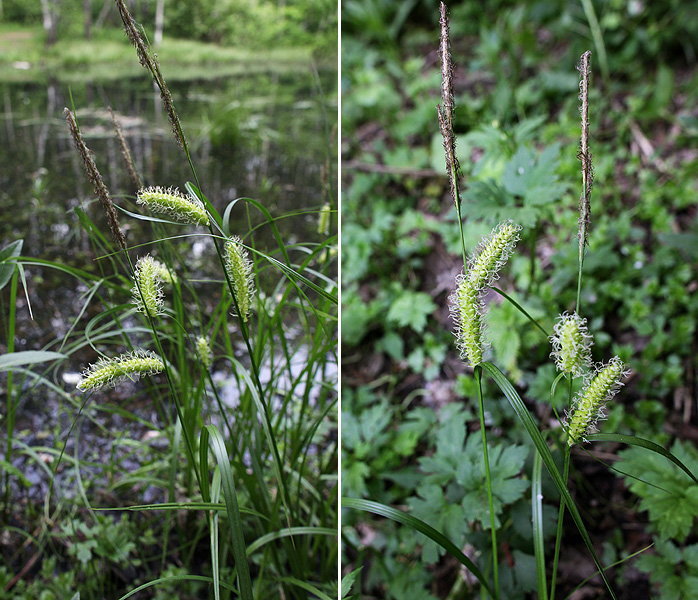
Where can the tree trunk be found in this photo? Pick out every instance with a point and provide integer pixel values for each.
(49, 14)
(87, 11)
(159, 21)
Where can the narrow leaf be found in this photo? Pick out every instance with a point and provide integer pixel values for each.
(538, 534)
(642, 443)
(27, 357)
(419, 525)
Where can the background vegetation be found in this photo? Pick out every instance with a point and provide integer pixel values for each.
(253, 25)
(407, 400)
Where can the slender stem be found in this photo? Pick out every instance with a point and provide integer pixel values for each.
(561, 513)
(10, 392)
(478, 377)
(597, 36)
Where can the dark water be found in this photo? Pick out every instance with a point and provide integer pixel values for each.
(264, 136)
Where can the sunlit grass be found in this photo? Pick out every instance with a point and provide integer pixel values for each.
(109, 57)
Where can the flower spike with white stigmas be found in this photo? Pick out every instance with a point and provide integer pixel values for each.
(466, 302)
(571, 344)
(147, 290)
(492, 254)
(588, 406)
(108, 372)
(466, 310)
(239, 268)
(174, 204)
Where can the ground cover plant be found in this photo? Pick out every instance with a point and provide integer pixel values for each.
(411, 414)
(208, 396)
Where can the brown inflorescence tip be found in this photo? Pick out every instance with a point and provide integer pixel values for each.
(95, 179)
(447, 106)
(125, 152)
(150, 61)
(584, 155)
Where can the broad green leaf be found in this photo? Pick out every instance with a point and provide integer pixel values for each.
(348, 581)
(7, 264)
(666, 493)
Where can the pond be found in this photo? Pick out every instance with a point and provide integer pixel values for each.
(264, 135)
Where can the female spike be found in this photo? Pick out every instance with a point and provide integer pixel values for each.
(108, 372)
(239, 268)
(174, 204)
(571, 345)
(588, 407)
(492, 254)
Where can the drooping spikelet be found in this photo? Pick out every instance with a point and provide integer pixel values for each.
(466, 310)
(174, 204)
(203, 349)
(466, 302)
(492, 254)
(323, 225)
(239, 268)
(108, 372)
(571, 344)
(588, 406)
(147, 289)
(165, 274)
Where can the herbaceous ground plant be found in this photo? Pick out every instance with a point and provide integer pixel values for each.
(570, 342)
(249, 485)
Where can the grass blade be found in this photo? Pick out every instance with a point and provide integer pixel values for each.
(537, 515)
(27, 357)
(419, 525)
(231, 503)
(642, 443)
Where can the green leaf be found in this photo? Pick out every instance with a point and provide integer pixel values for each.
(534, 177)
(348, 581)
(538, 530)
(233, 512)
(665, 493)
(411, 309)
(7, 262)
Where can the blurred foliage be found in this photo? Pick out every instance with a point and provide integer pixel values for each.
(517, 127)
(260, 24)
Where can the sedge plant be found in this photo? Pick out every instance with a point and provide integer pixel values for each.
(570, 342)
(258, 474)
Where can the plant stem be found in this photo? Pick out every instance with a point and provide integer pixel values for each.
(10, 407)
(478, 377)
(561, 512)
(597, 36)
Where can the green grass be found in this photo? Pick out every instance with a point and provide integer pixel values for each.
(109, 57)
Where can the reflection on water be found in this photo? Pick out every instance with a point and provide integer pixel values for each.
(249, 137)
